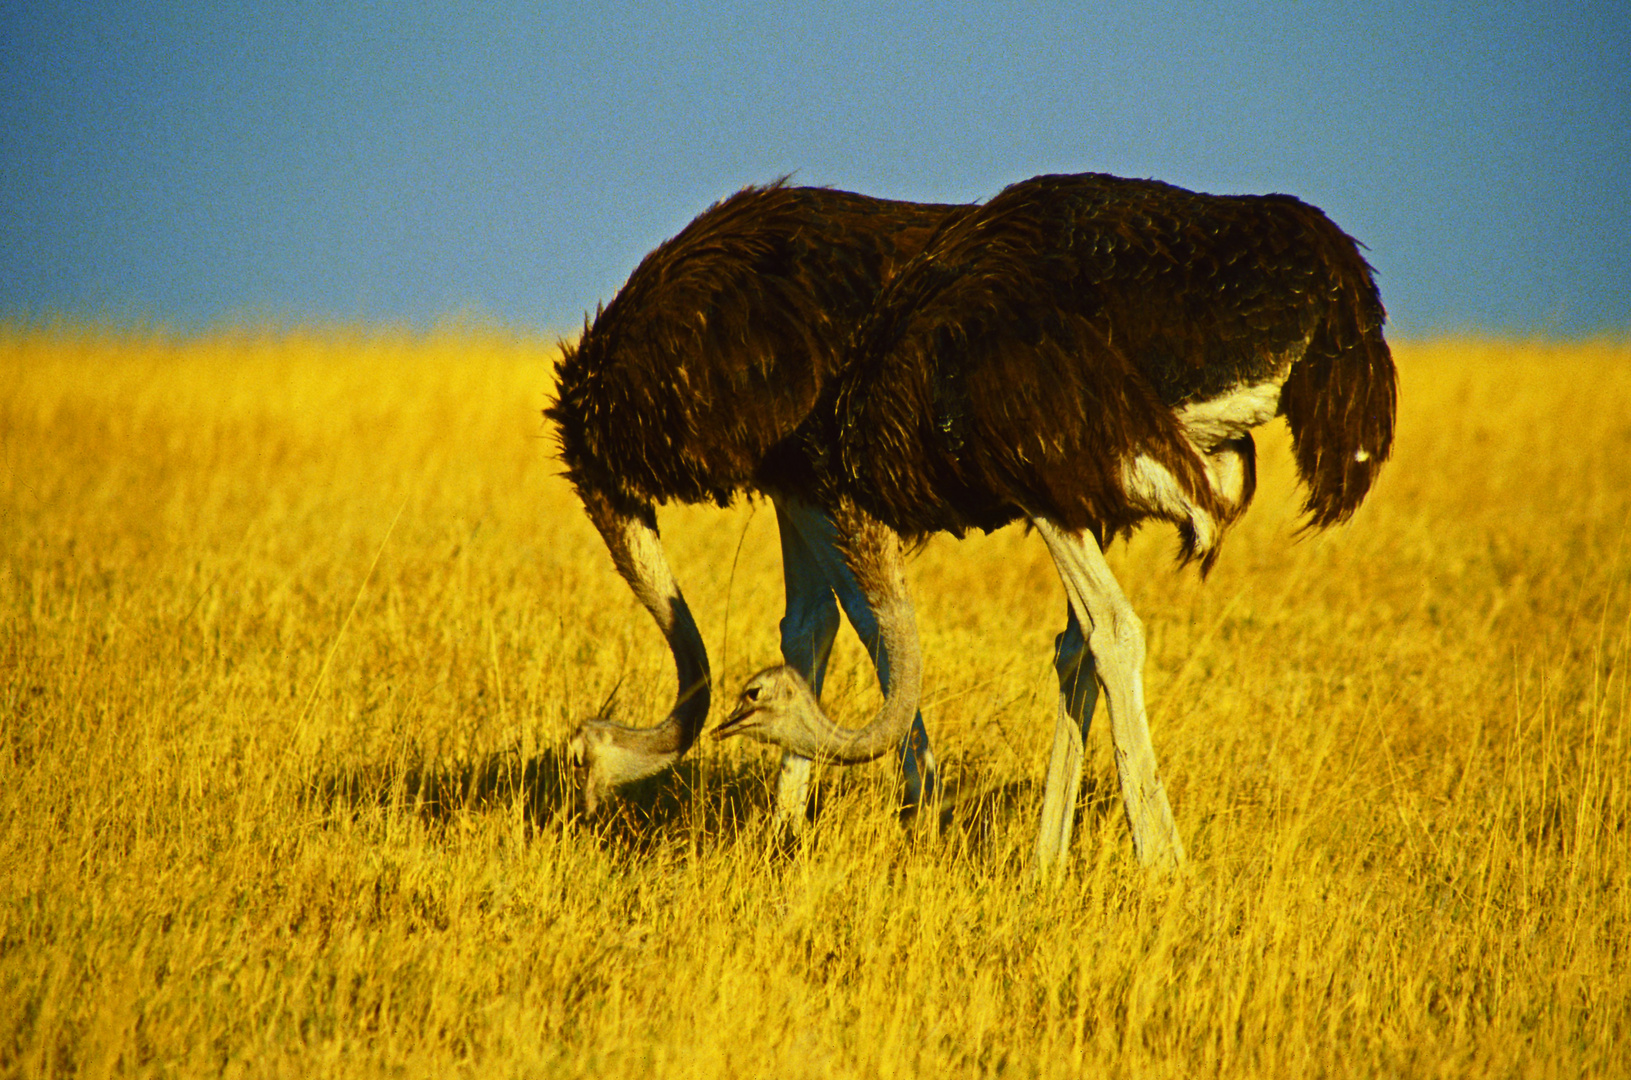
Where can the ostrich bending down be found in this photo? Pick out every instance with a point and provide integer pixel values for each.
(1085, 353)
(687, 387)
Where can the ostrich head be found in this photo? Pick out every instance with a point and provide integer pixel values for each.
(604, 755)
(586, 755)
(776, 707)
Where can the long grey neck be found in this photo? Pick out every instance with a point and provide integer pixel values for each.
(874, 555)
(637, 551)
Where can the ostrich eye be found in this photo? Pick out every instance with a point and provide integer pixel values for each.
(751, 693)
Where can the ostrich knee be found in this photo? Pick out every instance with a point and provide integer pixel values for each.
(1116, 647)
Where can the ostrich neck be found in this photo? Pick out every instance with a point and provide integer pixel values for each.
(873, 553)
(665, 743)
(637, 551)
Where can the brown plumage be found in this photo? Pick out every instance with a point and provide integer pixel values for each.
(687, 387)
(1046, 341)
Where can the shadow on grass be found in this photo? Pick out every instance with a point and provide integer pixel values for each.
(696, 800)
(682, 802)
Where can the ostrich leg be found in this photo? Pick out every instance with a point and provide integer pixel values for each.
(1115, 636)
(1078, 694)
(807, 631)
(817, 543)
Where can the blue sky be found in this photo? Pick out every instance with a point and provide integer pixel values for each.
(198, 164)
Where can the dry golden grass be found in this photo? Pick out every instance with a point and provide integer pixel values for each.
(292, 625)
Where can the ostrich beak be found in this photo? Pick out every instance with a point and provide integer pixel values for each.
(739, 722)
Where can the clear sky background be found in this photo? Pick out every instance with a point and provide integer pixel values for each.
(199, 163)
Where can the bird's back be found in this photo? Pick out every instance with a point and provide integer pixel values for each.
(719, 343)
(1043, 343)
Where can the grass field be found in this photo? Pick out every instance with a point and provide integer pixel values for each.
(292, 626)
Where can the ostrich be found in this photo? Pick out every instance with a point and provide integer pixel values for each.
(688, 387)
(1086, 353)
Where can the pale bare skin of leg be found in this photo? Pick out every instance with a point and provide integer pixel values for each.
(1115, 640)
(807, 632)
(1078, 695)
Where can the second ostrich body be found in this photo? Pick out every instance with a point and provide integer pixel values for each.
(1087, 353)
(688, 387)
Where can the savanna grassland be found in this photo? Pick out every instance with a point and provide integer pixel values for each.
(293, 625)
